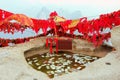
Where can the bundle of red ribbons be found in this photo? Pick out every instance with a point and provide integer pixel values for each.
(84, 26)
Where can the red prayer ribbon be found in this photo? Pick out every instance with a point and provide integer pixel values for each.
(50, 45)
(46, 42)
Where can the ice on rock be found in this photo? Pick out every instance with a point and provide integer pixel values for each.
(48, 67)
(79, 68)
(68, 56)
(30, 62)
(39, 67)
(65, 63)
(66, 71)
(52, 66)
(37, 64)
(52, 72)
(35, 60)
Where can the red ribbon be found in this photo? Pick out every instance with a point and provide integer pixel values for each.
(51, 45)
(46, 42)
(56, 41)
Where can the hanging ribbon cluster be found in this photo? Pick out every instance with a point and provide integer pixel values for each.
(8, 27)
(91, 30)
(50, 42)
(5, 42)
(10, 23)
(4, 14)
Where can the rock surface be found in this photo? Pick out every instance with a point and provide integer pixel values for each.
(13, 65)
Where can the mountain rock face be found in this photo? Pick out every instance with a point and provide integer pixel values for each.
(76, 15)
(43, 13)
